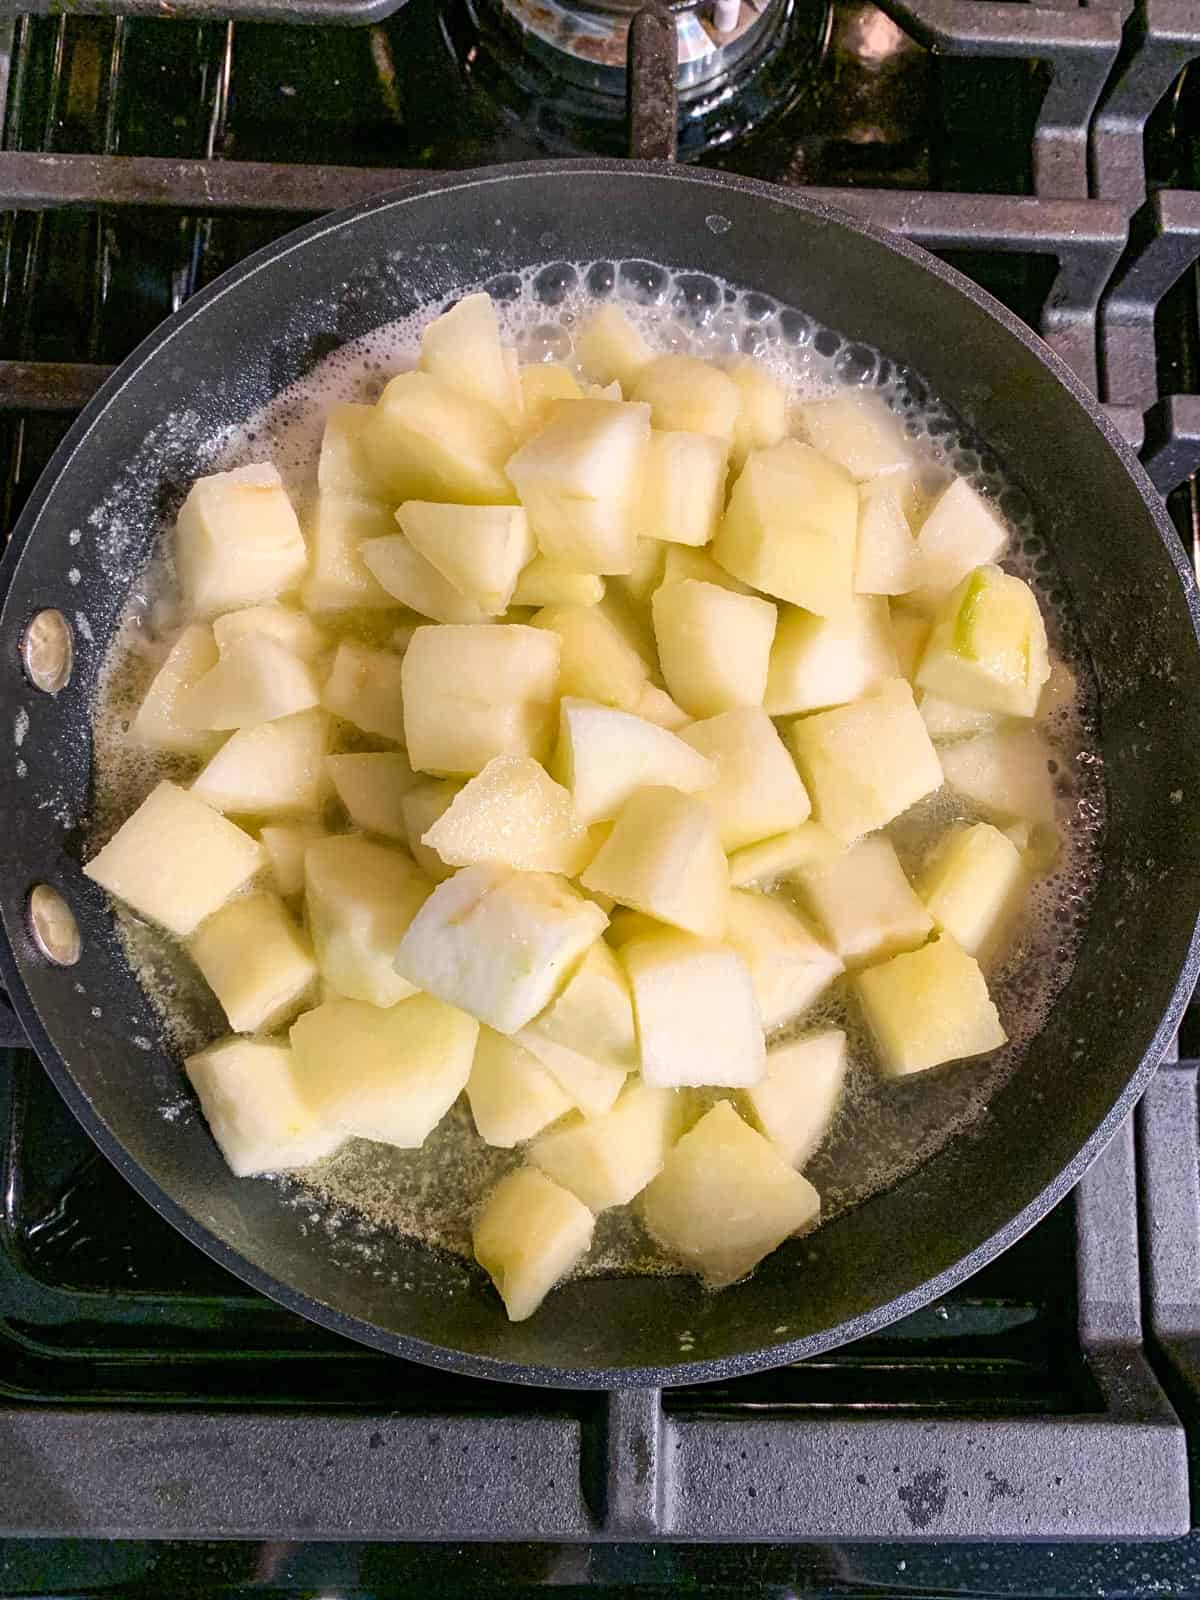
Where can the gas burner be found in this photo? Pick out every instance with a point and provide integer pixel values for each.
(557, 69)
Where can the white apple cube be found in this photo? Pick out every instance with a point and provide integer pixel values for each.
(817, 662)
(608, 1159)
(961, 532)
(256, 679)
(973, 886)
(298, 634)
(415, 582)
(649, 562)
(542, 385)
(342, 467)
(664, 857)
(389, 1075)
(782, 855)
(365, 688)
(158, 724)
(697, 1019)
(1005, 776)
(530, 1234)
(427, 441)
(947, 721)
(864, 904)
(655, 705)
(515, 815)
(798, 1099)
(858, 430)
(865, 763)
(175, 860)
(681, 562)
(928, 1007)
(462, 349)
(789, 966)
(372, 786)
(548, 583)
(791, 527)
(726, 1198)
(910, 632)
(247, 1091)
(422, 806)
(886, 561)
(689, 395)
(237, 541)
(758, 792)
(255, 960)
(512, 1097)
(361, 898)
(339, 580)
(273, 771)
(683, 487)
(578, 480)
(285, 844)
(714, 645)
(591, 1086)
(988, 646)
(597, 660)
(499, 944)
(480, 550)
(763, 418)
(604, 755)
(593, 1015)
(611, 348)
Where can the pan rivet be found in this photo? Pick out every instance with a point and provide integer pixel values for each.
(47, 651)
(54, 928)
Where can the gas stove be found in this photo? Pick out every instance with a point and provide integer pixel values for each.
(166, 1429)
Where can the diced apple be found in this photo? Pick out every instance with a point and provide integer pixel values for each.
(586, 1036)
(498, 943)
(625, 924)
(422, 806)
(763, 419)
(1005, 775)
(415, 582)
(689, 395)
(910, 631)
(541, 386)
(608, 1159)
(597, 660)
(427, 441)
(512, 1097)
(791, 527)
(947, 721)
(255, 960)
(285, 844)
(664, 857)
(372, 787)
(546, 583)
(973, 886)
(697, 1018)
(758, 792)
(961, 532)
(364, 687)
(858, 430)
(655, 705)
(797, 1101)
(247, 1091)
(604, 755)
(726, 1198)
(256, 679)
(342, 468)
(609, 347)
(865, 904)
(649, 561)
(528, 1236)
(175, 860)
(818, 662)
(480, 550)
(886, 561)
(927, 1007)
(339, 579)
(988, 646)
(683, 487)
(274, 770)
(788, 965)
(384, 1074)
(462, 349)
(237, 541)
(681, 563)
(361, 898)
(781, 856)
(578, 480)
(515, 815)
(292, 629)
(865, 763)
(714, 645)
(158, 724)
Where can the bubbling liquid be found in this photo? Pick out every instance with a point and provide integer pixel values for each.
(882, 1130)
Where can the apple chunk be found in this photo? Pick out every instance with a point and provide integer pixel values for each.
(512, 814)
(290, 628)
(798, 1099)
(697, 1019)
(604, 755)
(462, 349)
(372, 786)
(361, 898)
(237, 541)
(973, 886)
(285, 844)
(682, 488)
(988, 646)
(339, 579)
(664, 857)
(689, 395)
(414, 582)
(364, 688)
(817, 662)
(1004, 775)
(255, 960)
(782, 855)
(248, 1092)
(865, 904)
(758, 792)
(597, 661)
(528, 1236)
(610, 347)
(479, 549)
(256, 679)
(858, 430)
(961, 532)
(511, 1095)
(714, 645)
(788, 965)
(928, 1007)
(497, 943)
(763, 417)
(342, 467)
(608, 1159)
(428, 441)
(726, 1198)
(548, 583)
(273, 770)
(586, 1036)
(159, 724)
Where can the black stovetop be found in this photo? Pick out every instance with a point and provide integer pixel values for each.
(167, 1431)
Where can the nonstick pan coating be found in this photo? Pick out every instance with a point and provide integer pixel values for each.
(268, 322)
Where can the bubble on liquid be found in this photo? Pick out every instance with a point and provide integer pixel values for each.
(554, 283)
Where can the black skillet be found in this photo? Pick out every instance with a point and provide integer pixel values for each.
(146, 435)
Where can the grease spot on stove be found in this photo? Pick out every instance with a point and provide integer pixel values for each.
(924, 1499)
(716, 223)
